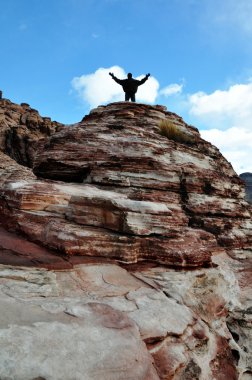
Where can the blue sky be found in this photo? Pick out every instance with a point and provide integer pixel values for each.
(56, 55)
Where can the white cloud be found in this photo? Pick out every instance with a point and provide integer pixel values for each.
(172, 89)
(235, 144)
(99, 88)
(224, 106)
(149, 91)
(228, 114)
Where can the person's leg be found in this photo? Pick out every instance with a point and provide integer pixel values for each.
(133, 97)
(127, 97)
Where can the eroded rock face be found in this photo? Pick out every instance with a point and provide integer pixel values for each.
(141, 196)
(108, 191)
(20, 128)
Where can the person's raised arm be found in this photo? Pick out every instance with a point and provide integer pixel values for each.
(119, 81)
(142, 81)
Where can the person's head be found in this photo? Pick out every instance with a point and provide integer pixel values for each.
(129, 76)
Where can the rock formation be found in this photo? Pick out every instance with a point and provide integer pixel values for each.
(20, 127)
(124, 254)
(247, 178)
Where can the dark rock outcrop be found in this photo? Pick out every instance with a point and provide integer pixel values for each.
(247, 178)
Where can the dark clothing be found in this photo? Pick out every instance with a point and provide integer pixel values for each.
(131, 97)
(130, 86)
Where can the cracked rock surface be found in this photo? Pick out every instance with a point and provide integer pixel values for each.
(100, 321)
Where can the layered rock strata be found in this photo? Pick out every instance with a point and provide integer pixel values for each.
(111, 190)
(141, 195)
(20, 128)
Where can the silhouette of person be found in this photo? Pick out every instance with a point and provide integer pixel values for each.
(130, 85)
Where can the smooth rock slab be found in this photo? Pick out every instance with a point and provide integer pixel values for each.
(105, 344)
(158, 315)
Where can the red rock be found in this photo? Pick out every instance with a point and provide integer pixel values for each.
(169, 359)
(111, 189)
(144, 197)
(20, 128)
(15, 250)
(223, 365)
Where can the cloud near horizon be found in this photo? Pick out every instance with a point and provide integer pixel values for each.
(224, 106)
(230, 113)
(235, 144)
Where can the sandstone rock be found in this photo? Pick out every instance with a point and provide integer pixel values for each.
(108, 156)
(43, 209)
(105, 345)
(15, 250)
(172, 318)
(96, 310)
(111, 191)
(215, 296)
(20, 128)
(164, 207)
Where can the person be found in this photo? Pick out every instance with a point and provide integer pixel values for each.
(130, 85)
(1, 94)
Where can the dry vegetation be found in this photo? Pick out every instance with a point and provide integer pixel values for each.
(168, 129)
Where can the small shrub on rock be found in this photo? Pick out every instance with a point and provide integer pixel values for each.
(168, 129)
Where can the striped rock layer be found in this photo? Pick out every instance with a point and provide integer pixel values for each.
(148, 241)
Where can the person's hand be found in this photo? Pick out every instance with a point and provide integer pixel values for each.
(111, 74)
(147, 75)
